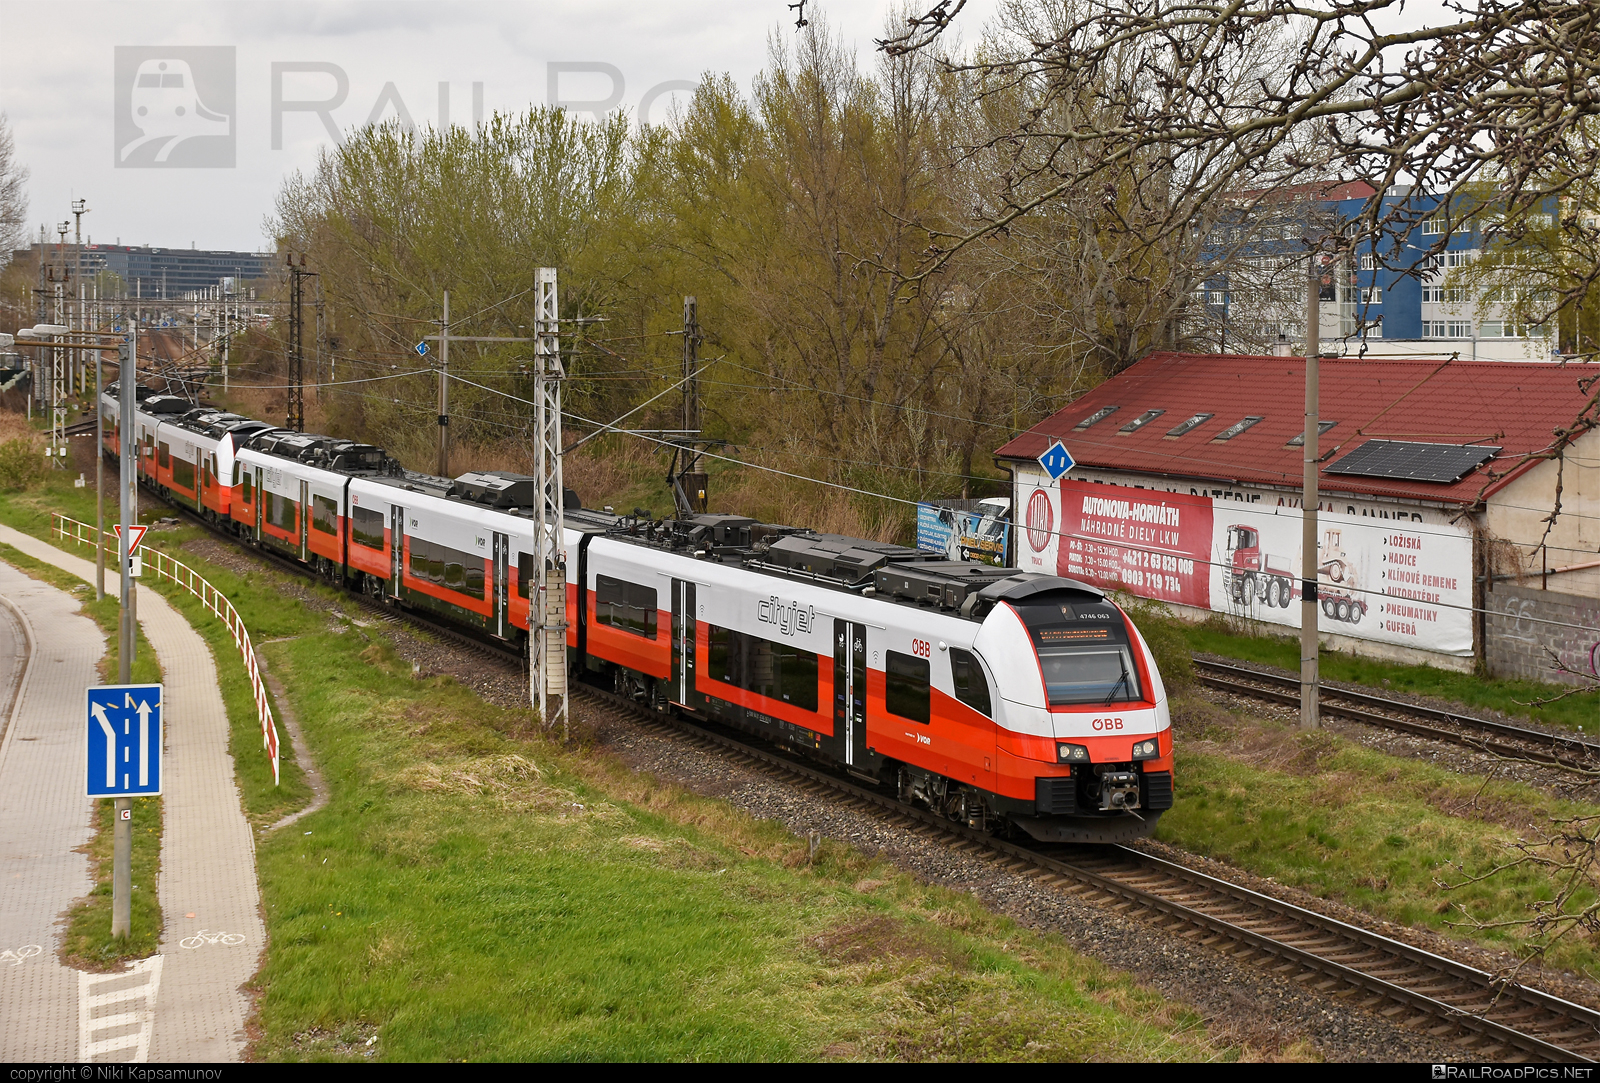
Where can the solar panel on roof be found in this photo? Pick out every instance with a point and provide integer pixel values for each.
(1412, 461)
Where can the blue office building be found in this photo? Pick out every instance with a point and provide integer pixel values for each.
(1398, 301)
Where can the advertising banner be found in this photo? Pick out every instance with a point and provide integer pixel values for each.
(1391, 580)
(1153, 544)
(962, 535)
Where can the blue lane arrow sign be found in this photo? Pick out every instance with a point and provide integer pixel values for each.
(1057, 460)
(124, 748)
(422, 349)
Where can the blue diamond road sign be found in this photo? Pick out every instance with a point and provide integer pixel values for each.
(1056, 461)
(124, 750)
(422, 349)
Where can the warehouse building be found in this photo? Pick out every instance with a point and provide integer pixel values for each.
(1440, 536)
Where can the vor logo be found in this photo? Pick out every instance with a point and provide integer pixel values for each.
(1041, 520)
(175, 107)
(789, 617)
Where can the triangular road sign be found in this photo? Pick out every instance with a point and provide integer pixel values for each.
(138, 536)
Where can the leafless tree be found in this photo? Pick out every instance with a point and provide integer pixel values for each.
(1113, 96)
(13, 193)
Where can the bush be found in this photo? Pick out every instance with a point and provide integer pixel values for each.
(1164, 633)
(21, 464)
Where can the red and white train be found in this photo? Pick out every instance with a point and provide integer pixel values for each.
(992, 696)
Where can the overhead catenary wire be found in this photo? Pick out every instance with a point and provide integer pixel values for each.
(1052, 533)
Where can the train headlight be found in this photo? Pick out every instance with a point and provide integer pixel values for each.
(1147, 750)
(1072, 754)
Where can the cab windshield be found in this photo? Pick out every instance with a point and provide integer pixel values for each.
(1084, 650)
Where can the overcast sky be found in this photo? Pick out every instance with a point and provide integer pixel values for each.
(63, 89)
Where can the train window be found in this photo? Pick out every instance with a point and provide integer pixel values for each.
(972, 687)
(165, 457)
(281, 512)
(906, 686)
(780, 671)
(324, 515)
(1084, 650)
(447, 567)
(366, 528)
(246, 493)
(182, 473)
(524, 573)
(624, 605)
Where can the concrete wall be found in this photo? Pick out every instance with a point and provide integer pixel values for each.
(1516, 514)
(1517, 642)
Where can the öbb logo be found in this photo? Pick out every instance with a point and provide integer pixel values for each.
(1106, 724)
(1041, 520)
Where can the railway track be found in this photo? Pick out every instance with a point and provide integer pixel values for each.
(1497, 738)
(1407, 985)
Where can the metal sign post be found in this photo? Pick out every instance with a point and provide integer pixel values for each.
(122, 760)
(548, 619)
(130, 502)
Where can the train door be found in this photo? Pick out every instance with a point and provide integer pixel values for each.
(304, 517)
(683, 641)
(850, 689)
(397, 547)
(260, 502)
(502, 616)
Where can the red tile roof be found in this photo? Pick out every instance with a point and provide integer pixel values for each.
(1516, 406)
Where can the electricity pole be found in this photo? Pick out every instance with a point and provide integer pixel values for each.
(547, 623)
(1310, 717)
(296, 420)
(444, 390)
(688, 484)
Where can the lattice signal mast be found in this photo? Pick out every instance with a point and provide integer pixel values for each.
(547, 678)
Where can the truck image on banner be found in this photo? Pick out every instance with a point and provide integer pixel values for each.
(1386, 580)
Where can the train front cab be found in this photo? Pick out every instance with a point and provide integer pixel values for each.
(1084, 738)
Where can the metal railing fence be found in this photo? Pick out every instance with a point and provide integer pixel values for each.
(213, 599)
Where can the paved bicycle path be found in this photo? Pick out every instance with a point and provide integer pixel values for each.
(49, 650)
(208, 873)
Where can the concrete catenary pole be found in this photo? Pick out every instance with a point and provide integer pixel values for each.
(1310, 717)
(444, 390)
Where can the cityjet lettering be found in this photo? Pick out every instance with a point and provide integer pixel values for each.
(789, 618)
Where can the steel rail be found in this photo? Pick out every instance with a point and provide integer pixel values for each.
(1477, 985)
(1559, 750)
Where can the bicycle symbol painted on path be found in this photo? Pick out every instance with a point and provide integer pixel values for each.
(203, 937)
(15, 957)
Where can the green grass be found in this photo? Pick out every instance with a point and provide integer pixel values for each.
(1380, 833)
(88, 941)
(1581, 712)
(474, 892)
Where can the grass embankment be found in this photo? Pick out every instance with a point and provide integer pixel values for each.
(88, 942)
(1398, 838)
(472, 891)
(1581, 712)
